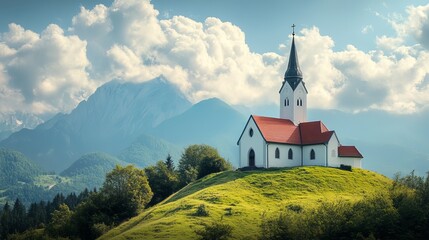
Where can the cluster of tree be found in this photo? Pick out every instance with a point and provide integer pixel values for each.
(403, 213)
(124, 193)
(16, 218)
(196, 162)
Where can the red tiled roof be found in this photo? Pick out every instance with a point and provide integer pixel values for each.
(314, 132)
(284, 131)
(349, 151)
(278, 130)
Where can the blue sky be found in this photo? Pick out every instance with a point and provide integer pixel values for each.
(266, 23)
(354, 54)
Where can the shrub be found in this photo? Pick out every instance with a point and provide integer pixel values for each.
(201, 211)
(215, 231)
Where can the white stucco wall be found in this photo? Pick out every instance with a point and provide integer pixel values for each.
(283, 161)
(320, 151)
(333, 143)
(256, 142)
(354, 162)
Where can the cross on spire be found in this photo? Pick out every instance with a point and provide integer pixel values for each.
(293, 29)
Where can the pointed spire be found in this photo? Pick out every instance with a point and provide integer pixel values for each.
(293, 70)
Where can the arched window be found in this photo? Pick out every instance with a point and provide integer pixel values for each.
(251, 132)
(286, 101)
(290, 154)
(251, 158)
(300, 102)
(297, 102)
(312, 154)
(277, 153)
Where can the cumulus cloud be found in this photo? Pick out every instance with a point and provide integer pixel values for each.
(417, 24)
(44, 73)
(53, 71)
(356, 81)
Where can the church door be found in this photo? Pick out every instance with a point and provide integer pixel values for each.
(251, 158)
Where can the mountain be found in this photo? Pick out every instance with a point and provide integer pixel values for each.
(241, 199)
(147, 150)
(16, 169)
(14, 121)
(211, 122)
(88, 171)
(109, 121)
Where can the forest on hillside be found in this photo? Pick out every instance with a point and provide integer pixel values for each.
(125, 192)
(400, 213)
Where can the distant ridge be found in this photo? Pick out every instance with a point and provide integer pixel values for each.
(211, 121)
(110, 120)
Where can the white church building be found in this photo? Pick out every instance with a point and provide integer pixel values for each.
(290, 140)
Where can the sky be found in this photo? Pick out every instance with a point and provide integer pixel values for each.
(355, 55)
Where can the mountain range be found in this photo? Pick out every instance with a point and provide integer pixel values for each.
(141, 123)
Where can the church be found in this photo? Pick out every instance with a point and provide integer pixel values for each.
(290, 140)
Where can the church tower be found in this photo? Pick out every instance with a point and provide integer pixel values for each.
(293, 93)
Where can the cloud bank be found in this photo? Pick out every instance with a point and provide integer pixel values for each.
(53, 70)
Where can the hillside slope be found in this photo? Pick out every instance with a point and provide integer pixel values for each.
(241, 198)
(15, 168)
(89, 171)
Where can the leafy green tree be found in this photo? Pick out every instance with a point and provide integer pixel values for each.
(213, 165)
(126, 191)
(190, 162)
(162, 180)
(60, 224)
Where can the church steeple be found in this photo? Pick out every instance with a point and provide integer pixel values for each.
(293, 73)
(293, 93)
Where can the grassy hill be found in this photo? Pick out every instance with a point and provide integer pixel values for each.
(88, 171)
(241, 198)
(15, 168)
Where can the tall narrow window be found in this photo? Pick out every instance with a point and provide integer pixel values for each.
(297, 102)
(277, 153)
(312, 154)
(300, 102)
(290, 154)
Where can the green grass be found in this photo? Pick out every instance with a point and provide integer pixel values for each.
(47, 181)
(241, 198)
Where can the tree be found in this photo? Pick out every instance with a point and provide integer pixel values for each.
(5, 221)
(18, 214)
(127, 191)
(213, 165)
(189, 164)
(60, 225)
(162, 180)
(169, 162)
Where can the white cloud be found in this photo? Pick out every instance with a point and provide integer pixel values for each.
(45, 72)
(418, 23)
(53, 71)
